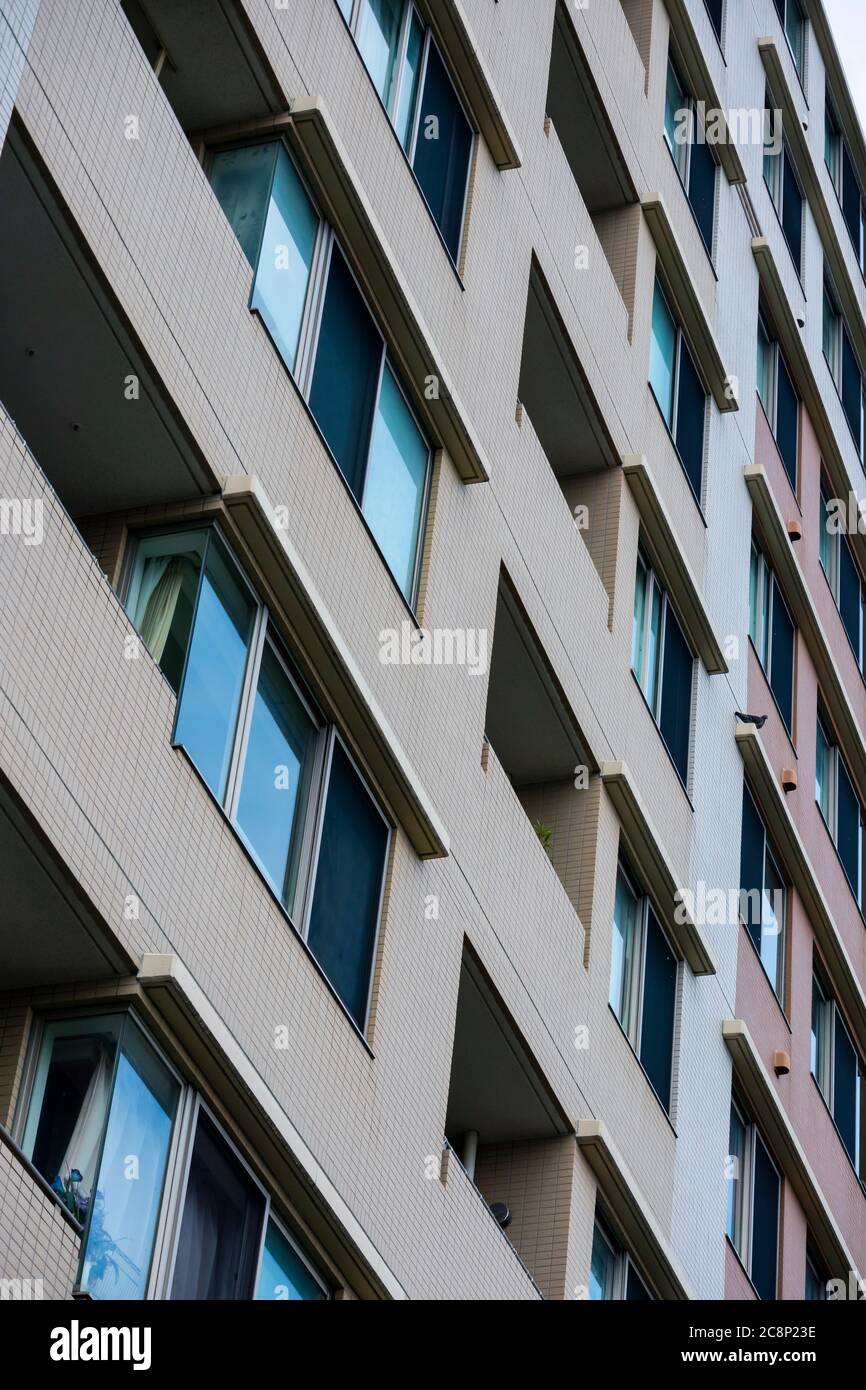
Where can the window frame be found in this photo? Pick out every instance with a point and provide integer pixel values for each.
(768, 591)
(302, 372)
(684, 173)
(771, 409)
(392, 107)
(653, 583)
(680, 342)
(787, 6)
(623, 1262)
(778, 164)
(836, 756)
(745, 1251)
(265, 632)
(633, 1026)
(779, 985)
(825, 1078)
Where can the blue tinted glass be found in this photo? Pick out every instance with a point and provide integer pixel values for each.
(409, 89)
(675, 716)
(662, 350)
(702, 191)
(659, 1000)
(346, 374)
(283, 1275)
(286, 257)
(442, 151)
(691, 420)
(129, 1188)
(215, 670)
(345, 912)
(276, 776)
(241, 179)
(162, 594)
(396, 476)
(379, 40)
(602, 1268)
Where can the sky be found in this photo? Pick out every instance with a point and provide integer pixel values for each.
(848, 22)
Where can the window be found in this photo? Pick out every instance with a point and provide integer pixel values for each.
(846, 184)
(779, 399)
(772, 631)
(408, 72)
(319, 322)
(613, 1274)
(268, 756)
(784, 189)
(838, 1071)
(103, 1114)
(753, 1190)
(815, 1288)
(643, 984)
(763, 896)
(844, 367)
(716, 11)
(678, 389)
(794, 24)
(663, 664)
(840, 806)
(691, 154)
(843, 576)
(831, 338)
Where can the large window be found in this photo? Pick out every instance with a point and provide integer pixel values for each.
(663, 664)
(843, 176)
(844, 367)
(278, 769)
(691, 153)
(787, 196)
(763, 896)
(753, 1199)
(794, 23)
(840, 807)
(779, 398)
(838, 1070)
(678, 389)
(643, 983)
(319, 321)
(772, 631)
(104, 1118)
(843, 576)
(613, 1274)
(407, 70)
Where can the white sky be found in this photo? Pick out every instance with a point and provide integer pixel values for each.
(848, 22)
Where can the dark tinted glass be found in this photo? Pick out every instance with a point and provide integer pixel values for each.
(218, 1248)
(792, 212)
(691, 410)
(852, 387)
(782, 659)
(442, 151)
(657, 1025)
(851, 198)
(702, 190)
(716, 9)
(787, 421)
(765, 1223)
(845, 1088)
(346, 374)
(752, 842)
(345, 910)
(636, 1290)
(849, 595)
(676, 707)
(848, 833)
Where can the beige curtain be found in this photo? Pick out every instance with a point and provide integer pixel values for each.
(161, 586)
(83, 1148)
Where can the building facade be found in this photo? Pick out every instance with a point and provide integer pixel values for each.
(432, 704)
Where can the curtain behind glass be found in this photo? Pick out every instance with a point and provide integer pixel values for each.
(222, 1221)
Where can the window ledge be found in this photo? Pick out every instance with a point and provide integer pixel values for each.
(187, 1012)
(700, 79)
(803, 375)
(628, 1206)
(770, 801)
(687, 302)
(810, 178)
(309, 129)
(652, 863)
(668, 558)
(761, 1096)
(447, 19)
(270, 554)
(784, 562)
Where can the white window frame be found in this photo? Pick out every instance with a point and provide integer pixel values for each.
(651, 583)
(633, 1025)
(623, 1262)
(747, 1192)
(834, 361)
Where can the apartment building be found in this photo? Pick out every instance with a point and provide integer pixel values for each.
(432, 669)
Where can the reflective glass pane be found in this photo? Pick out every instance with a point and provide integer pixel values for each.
(765, 1223)
(675, 705)
(662, 352)
(396, 479)
(218, 1246)
(773, 924)
(657, 1015)
(404, 119)
(284, 1276)
(625, 922)
(765, 371)
(639, 621)
(734, 1174)
(677, 120)
(651, 679)
(691, 419)
(241, 180)
(823, 775)
(351, 863)
(215, 669)
(442, 151)
(754, 593)
(131, 1174)
(69, 1103)
(602, 1271)
(379, 40)
(162, 594)
(846, 1088)
(819, 1042)
(276, 776)
(283, 272)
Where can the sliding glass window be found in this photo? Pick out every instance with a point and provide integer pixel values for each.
(320, 323)
(678, 389)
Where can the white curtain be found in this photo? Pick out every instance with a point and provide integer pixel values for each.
(161, 584)
(83, 1148)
